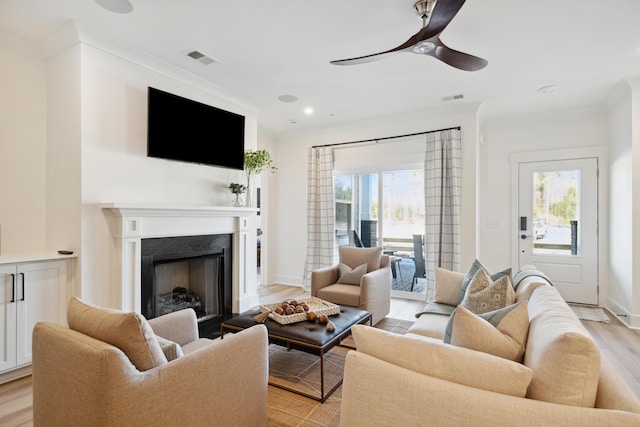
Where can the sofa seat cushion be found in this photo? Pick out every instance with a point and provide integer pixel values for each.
(564, 358)
(444, 361)
(502, 332)
(430, 325)
(341, 294)
(128, 331)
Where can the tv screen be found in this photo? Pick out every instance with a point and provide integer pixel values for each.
(189, 131)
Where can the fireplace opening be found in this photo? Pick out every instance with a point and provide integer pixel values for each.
(188, 272)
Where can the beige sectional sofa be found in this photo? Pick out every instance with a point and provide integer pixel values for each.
(417, 379)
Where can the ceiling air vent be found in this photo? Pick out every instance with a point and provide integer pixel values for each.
(452, 97)
(200, 57)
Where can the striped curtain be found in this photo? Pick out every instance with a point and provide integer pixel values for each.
(320, 212)
(442, 188)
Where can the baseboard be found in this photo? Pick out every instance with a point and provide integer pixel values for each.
(15, 374)
(627, 319)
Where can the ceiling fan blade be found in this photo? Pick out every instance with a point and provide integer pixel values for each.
(457, 59)
(443, 12)
(366, 58)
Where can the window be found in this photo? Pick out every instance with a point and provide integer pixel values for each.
(383, 208)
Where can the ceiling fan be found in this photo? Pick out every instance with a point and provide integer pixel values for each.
(435, 15)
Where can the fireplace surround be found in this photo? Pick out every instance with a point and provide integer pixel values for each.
(130, 224)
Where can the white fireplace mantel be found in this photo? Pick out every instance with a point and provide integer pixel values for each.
(130, 223)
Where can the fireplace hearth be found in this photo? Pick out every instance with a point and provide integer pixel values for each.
(188, 272)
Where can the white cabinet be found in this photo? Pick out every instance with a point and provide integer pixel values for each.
(29, 292)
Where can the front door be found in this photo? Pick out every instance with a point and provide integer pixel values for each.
(558, 224)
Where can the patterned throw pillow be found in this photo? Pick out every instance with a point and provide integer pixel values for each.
(351, 276)
(473, 269)
(483, 294)
(502, 332)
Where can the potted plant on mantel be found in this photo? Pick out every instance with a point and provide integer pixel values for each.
(255, 161)
(237, 189)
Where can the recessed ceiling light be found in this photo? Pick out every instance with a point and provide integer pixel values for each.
(308, 111)
(116, 6)
(548, 89)
(288, 98)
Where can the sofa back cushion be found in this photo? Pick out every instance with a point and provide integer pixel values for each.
(564, 358)
(354, 257)
(444, 361)
(130, 332)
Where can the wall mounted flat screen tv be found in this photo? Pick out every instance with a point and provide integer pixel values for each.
(189, 131)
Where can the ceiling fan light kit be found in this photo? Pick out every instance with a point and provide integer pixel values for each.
(435, 15)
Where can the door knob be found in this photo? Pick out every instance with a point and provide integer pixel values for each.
(524, 236)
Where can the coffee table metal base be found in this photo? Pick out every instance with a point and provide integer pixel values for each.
(305, 336)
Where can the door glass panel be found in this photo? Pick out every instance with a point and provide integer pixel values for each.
(556, 209)
(343, 193)
(403, 210)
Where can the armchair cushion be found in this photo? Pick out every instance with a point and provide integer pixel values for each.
(171, 350)
(341, 294)
(130, 332)
(353, 257)
(351, 276)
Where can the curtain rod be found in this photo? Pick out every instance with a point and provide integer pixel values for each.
(385, 138)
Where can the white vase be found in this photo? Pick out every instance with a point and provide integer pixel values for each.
(248, 200)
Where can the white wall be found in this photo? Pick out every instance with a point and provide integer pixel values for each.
(289, 231)
(102, 129)
(503, 137)
(23, 149)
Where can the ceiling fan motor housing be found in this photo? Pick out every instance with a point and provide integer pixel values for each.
(423, 8)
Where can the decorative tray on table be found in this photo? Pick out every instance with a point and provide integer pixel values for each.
(317, 305)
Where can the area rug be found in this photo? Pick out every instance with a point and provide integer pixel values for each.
(595, 314)
(301, 371)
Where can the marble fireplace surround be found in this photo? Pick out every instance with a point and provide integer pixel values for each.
(130, 223)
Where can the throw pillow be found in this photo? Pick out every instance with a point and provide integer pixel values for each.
(443, 361)
(483, 294)
(130, 332)
(354, 257)
(473, 269)
(502, 332)
(171, 350)
(351, 276)
(447, 286)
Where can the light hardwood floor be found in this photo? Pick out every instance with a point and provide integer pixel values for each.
(620, 345)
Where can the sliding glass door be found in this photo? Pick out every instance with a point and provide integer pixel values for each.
(385, 208)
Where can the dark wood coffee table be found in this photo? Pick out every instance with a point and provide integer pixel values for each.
(306, 336)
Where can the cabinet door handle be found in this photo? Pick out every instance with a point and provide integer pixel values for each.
(22, 299)
(13, 287)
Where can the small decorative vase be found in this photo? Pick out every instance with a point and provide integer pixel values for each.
(237, 202)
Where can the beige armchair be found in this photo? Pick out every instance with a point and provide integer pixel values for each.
(347, 284)
(109, 369)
